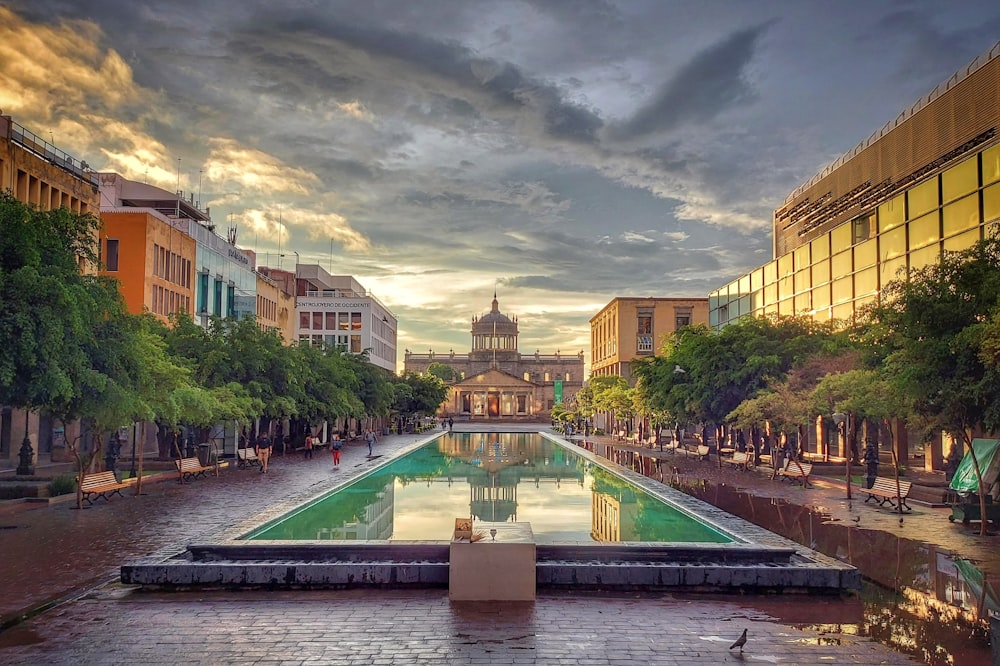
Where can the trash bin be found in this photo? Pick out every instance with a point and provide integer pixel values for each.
(204, 453)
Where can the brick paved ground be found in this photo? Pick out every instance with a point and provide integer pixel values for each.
(57, 551)
(417, 627)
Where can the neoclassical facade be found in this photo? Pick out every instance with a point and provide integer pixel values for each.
(495, 381)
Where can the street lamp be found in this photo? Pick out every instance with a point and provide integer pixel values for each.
(26, 454)
(841, 420)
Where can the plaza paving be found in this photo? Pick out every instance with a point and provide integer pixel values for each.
(59, 553)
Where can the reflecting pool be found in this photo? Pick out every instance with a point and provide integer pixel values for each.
(491, 477)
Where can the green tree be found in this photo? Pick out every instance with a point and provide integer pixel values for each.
(444, 372)
(933, 334)
(422, 395)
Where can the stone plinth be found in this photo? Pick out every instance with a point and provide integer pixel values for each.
(500, 569)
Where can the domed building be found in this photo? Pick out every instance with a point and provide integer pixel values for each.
(495, 381)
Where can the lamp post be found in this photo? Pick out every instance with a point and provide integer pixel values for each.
(842, 420)
(26, 454)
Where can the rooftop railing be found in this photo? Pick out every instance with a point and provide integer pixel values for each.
(42, 148)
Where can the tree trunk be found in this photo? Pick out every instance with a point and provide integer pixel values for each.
(142, 447)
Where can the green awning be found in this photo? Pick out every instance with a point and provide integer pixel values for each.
(965, 481)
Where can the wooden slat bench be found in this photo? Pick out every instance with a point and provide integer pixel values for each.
(884, 492)
(191, 468)
(247, 457)
(701, 452)
(739, 460)
(797, 472)
(102, 484)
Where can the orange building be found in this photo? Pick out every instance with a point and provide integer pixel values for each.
(151, 259)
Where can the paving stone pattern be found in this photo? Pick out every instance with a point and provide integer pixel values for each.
(58, 551)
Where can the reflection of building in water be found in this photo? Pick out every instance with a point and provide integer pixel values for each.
(499, 463)
(613, 518)
(375, 523)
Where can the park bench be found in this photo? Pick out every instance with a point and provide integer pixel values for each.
(102, 484)
(796, 472)
(247, 457)
(739, 460)
(702, 451)
(884, 492)
(191, 468)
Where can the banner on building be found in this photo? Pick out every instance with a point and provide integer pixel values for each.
(558, 392)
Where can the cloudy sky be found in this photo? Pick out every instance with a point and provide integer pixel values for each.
(563, 152)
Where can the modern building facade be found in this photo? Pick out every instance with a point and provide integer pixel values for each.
(628, 328)
(173, 259)
(35, 172)
(496, 381)
(927, 182)
(338, 311)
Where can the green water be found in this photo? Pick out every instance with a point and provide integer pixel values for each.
(491, 477)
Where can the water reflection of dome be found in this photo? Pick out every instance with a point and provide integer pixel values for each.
(494, 495)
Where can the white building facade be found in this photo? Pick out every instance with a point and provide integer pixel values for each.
(338, 311)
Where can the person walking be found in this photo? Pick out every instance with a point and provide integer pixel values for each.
(451, 423)
(264, 452)
(309, 446)
(336, 444)
(371, 439)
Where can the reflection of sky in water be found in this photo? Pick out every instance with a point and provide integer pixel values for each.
(491, 477)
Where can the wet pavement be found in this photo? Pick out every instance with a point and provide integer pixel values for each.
(59, 553)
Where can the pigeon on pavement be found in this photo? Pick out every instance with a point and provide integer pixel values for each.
(740, 642)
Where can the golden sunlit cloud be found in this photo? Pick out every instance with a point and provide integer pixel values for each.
(236, 166)
(317, 226)
(356, 110)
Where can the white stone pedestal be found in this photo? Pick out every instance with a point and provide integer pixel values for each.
(494, 570)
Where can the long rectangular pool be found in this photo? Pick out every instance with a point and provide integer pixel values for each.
(491, 477)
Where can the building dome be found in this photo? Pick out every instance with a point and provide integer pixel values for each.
(494, 332)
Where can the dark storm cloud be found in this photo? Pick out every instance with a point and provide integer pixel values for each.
(712, 82)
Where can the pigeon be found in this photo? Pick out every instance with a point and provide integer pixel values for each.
(856, 519)
(740, 642)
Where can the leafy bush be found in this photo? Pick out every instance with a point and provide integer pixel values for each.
(17, 491)
(62, 485)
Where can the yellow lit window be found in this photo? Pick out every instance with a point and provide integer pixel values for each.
(786, 307)
(843, 312)
(991, 203)
(771, 294)
(821, 247)
(923, 198)
(786, 287)
(842, 237)
(892, 213)
(924, 230)
(865, 282)
(960, 180)
(821, 315)
(745, 284)
(785, 265)
(801, 257)
(843, 289)
(926, 256)
(803, 303)
(802, 281)
(842, 264)
(961, 215)
(889, 270)
(757, 279)
(863, 301)
(991, 165)
(865, 254)
(821, 272)
(892, 244)
(962, 241)
(821, 296)
(770, 272)
(771, 308)
(757, 300)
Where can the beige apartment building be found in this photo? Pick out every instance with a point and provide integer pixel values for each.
(628, 328)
